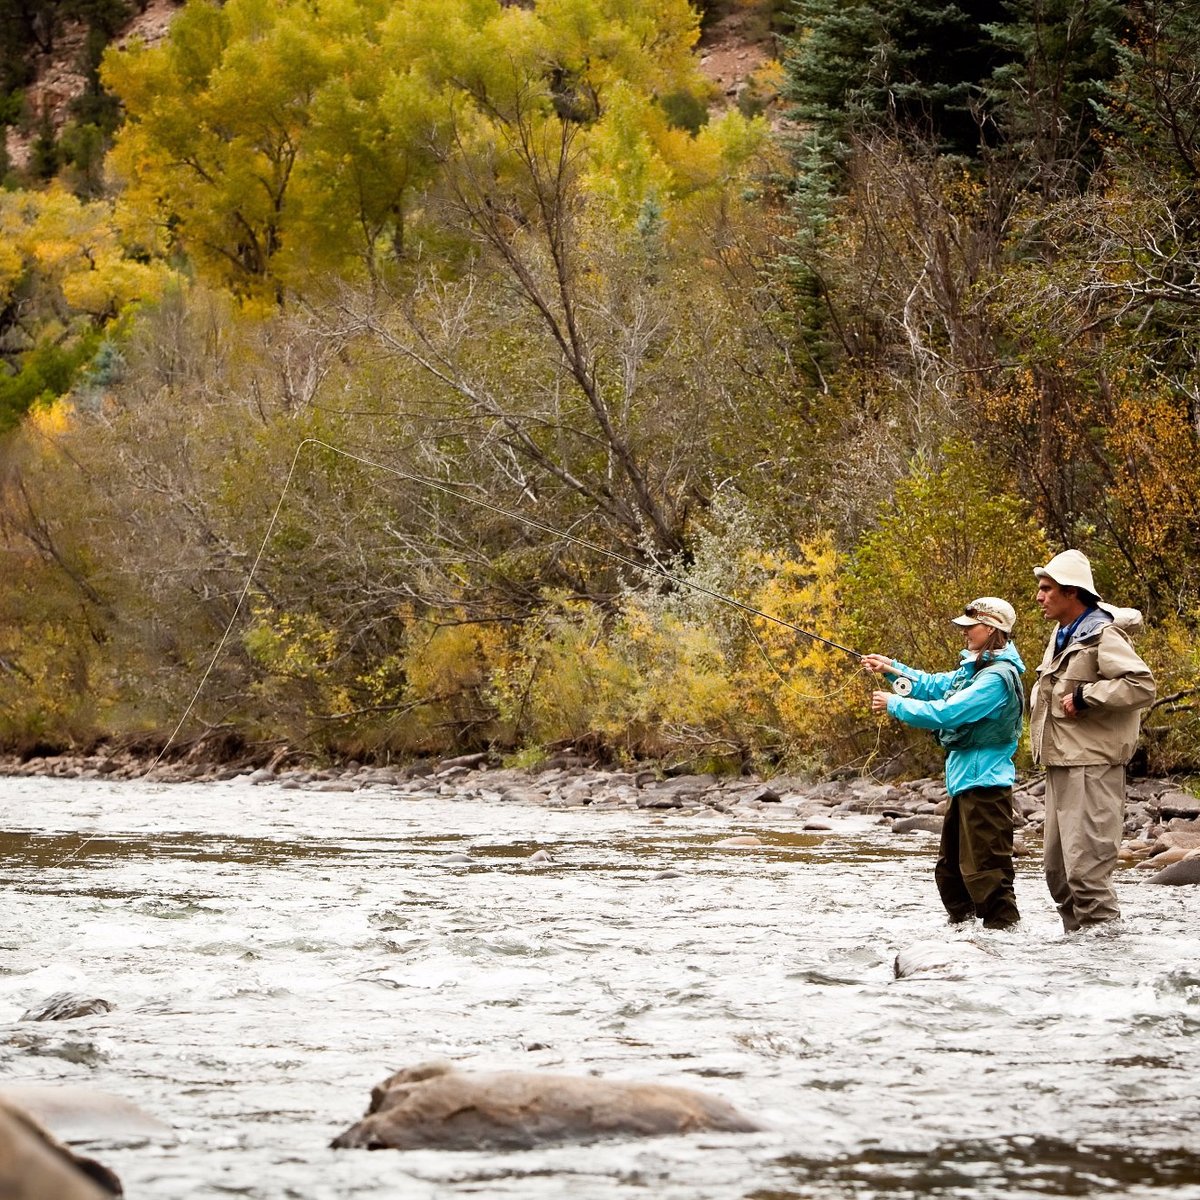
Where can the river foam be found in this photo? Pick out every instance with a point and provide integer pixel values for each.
(272, 953)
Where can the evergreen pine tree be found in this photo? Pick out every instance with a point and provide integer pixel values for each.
(921, 66)
(44, 155)
(1151, 105)
(827, 62)
(1062, 53)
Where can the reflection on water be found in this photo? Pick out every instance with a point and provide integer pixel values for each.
(1024, 1166)
(271, 954)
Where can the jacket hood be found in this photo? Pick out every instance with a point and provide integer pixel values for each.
(1008, 653)
(1127, 620)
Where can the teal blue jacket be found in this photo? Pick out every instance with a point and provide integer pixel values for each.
(951, 699)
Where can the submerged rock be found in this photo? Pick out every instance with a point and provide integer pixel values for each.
(34, 1166)
(434, 1105)
(940, 960)
(66, 1006)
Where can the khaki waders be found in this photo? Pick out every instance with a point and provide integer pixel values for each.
(1084, 822)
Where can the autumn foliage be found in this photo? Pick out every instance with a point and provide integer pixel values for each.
(429, 376)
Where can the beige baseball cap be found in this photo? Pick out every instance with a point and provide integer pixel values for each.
(989, 610)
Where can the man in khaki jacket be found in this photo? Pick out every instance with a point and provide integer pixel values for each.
(1085, 713)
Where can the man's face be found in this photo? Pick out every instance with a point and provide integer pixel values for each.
(1056, 604)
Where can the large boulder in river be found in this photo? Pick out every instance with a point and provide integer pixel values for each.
(436, 1106)
(33, 1166)
(84, 1114)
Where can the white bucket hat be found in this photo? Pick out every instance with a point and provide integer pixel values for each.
(1069, 569)
(988, 610)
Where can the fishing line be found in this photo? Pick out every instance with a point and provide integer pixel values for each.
(787, 683)
(436, 485)
(220, 645)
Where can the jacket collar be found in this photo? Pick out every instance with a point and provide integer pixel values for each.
(1085, 628)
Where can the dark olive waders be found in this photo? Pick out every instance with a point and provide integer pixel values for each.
(974, 871)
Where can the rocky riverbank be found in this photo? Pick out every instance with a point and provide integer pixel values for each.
(1162, 820)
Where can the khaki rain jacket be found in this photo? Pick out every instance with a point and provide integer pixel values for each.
(1116, 686)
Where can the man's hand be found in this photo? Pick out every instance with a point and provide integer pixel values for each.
(1069, 706)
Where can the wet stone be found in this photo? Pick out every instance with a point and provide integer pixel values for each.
(660, 799)
(1180, 874)
(920, 824)
(66, 1006)
(1145, 790)
(464, 761)
(1025, 803)
(1178, 804)
(761, 793)
(1188, 839)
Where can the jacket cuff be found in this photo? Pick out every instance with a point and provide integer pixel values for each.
(1080, 702)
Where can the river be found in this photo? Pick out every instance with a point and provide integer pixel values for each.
(271, 954)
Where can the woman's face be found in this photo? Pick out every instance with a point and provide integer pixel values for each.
(977, 636)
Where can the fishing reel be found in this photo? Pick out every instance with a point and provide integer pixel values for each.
(902, 685)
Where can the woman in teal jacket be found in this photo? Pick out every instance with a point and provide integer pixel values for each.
(976, 714)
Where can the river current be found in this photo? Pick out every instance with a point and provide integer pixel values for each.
(271, 954)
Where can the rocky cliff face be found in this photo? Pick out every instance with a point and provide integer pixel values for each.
(60, 75)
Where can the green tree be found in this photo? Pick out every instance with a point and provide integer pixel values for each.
(278, 140)
(67, 274)
(914, 66)
(1046, 98)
